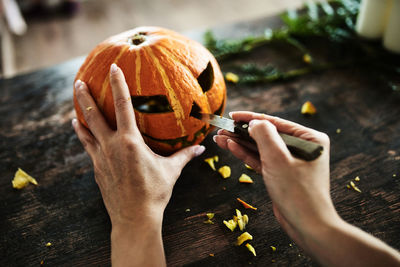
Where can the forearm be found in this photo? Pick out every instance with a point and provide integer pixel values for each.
(341, 244)
(138, 244)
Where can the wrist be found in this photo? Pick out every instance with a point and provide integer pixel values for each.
(317, 236)
(138, 241)
(143, 218)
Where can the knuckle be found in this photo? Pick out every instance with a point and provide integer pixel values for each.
(130, 143)
(116, 79)
(89, 117)
(122, 102)
(264, 127)
(324, 138)
(267, 126)
(86, 142)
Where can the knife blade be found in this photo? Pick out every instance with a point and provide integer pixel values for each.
(299, 148)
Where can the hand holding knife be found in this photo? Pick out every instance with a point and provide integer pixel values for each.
(299, 148)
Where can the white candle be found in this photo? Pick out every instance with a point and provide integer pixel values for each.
(391, 37)
(371, 20)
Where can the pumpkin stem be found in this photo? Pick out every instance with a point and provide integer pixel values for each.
(137, 39)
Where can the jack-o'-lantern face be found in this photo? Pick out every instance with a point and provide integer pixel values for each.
(170, 78)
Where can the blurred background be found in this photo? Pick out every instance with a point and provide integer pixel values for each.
(41, 33)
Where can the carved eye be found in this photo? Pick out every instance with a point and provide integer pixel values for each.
(195, 112)
(151, 104)
(206, 78)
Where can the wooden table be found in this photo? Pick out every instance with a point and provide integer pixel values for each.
(66, 208)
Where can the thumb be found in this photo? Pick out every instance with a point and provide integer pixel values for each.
(182, 157)
(269, 143)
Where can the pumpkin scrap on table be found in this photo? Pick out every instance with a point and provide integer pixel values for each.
(307, 58)
(231, 224)
(238, 220)
(170, 78)
(225, 171)
(209, 217)
(251, 249)
(353, 185)
(22, 179)
(242, 220)
(211, 161)
(248, 167)
(308, 108)
(244, 178)
(243, 238)
(246, 205)
(231, 77)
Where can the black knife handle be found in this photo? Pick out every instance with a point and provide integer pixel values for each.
(299, 148)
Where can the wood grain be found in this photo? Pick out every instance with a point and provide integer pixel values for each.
(66, 208)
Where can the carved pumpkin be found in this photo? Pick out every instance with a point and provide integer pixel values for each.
(169, 77)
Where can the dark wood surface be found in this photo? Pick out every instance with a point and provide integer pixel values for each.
(66, 208)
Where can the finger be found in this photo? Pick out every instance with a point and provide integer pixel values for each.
(221, 141)
(223, 138)
(124, 113)
(249, 157)
(92, 114)
(269, 143)
(245, 115)
(87, 139)
(182, 157)
(284, 126)
(225, 132)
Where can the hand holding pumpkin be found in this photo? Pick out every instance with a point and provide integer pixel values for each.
(135, 183)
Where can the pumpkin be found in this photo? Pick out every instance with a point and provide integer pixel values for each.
(170, 79)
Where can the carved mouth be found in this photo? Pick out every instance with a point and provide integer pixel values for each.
(184, 139)
(151, 104)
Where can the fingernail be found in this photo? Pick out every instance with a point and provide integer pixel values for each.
(78, 84)
(220, 131)
(230, 114)
(215, 138)
(199, 150)
(113, 68)
(73, 122)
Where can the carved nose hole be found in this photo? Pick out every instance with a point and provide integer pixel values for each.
(151, 104)
(206, 78)
(195, 112)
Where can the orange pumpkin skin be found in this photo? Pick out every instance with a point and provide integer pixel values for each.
(155, 62)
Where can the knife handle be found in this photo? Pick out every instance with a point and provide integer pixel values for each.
(299, 148)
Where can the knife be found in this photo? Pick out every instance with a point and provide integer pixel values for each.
(299, 148)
